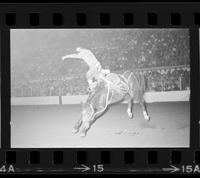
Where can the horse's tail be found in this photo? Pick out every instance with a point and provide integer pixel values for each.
(144, 83)
(140, 82)
(138, 85)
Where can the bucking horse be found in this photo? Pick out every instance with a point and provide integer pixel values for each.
(114, 88)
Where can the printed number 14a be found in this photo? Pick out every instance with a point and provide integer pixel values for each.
(10, 168)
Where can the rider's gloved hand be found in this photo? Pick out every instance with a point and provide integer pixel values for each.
(89, 89)
(105, 71)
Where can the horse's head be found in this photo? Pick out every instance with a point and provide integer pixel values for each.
(87, 111)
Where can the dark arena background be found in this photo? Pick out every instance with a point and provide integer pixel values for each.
(46, 92)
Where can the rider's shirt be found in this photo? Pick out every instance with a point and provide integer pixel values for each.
(95, 70)
(95, 73)
(88, 57)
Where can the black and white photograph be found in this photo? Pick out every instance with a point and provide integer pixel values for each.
(95, 88)
(0, 94)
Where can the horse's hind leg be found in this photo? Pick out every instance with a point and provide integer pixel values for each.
(130, 107)
(144, 110)
(77, 126)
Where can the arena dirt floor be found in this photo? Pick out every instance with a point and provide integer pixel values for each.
(52, 127)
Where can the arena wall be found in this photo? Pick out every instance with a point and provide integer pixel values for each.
(151, 97)
(168, 96)
(45, 100)
(74, 99)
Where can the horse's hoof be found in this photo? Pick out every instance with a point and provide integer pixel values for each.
(147, 118)
(130, 115)
(83, 134)
(75, 131)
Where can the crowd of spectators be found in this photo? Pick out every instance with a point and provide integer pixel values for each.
(51, 87)
(37, 68)
(168, 79)
(171, 79)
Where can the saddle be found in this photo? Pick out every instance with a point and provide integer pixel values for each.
(117, 82)
(113, 78)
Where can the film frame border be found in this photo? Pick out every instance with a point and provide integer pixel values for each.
(145, 15)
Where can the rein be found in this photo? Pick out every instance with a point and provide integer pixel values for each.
(106, 102)
(118, 89)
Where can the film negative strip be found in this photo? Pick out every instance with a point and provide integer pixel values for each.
(100, 88)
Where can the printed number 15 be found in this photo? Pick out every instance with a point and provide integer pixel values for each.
(98, 168)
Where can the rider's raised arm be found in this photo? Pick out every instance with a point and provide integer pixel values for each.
(72, 56)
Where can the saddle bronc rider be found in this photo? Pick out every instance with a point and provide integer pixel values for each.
(95, 73)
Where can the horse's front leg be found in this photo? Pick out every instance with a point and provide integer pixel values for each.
(130, 107)
(77, 126)
(86, 123)
(144, 110)
(84, 129)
